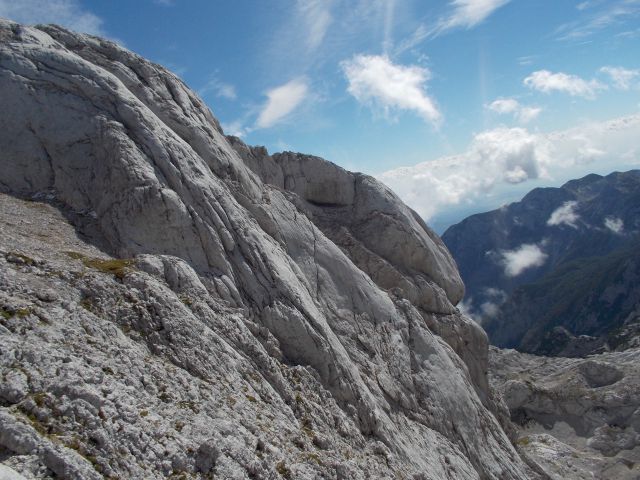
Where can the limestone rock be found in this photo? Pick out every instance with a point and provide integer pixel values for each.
(577, 418)
(216, 309)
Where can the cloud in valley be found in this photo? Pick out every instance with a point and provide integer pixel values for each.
(375, 81)
(616, 225)
(564, 215)
(526, 256)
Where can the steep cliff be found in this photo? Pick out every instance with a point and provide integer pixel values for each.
(176, 303)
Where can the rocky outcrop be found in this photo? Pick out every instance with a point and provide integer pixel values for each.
(556, 273)
(197, 307)
(578, 418)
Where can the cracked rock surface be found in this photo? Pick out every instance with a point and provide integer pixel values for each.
(176, 304)
(578, 418)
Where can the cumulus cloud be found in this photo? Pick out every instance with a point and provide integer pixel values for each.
(527, 255)
(510, 106)
(564, 215)
(504, 156)
(616, 225)
(547, 82)
(68, 13)
(469, 13)
(622, 78)
(281, 101)
(504, 105)
(374, 80)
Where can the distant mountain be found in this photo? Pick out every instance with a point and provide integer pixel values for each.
(557, 273)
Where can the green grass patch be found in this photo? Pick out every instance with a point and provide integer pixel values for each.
(24, 258)
(524, 441)
(283, 470)
(7, 313)
(118, 267)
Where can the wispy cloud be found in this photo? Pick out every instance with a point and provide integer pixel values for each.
(375, 81)
(599, 16)
(316, 17)
(235, 128)
(547, 82)
(565, 215)
(524, 257)
(469, 13)
(68, 13)
(461, 14)
(219, 89)
(281, 102)
(507, 156)
(511, 106)
(622, 78)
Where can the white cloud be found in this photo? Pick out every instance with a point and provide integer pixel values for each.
(599, 16)
(219, 89)
(68, 13)
(469, 13)
(234, 128)
(281, 101)
(622, 78)
(526, 114)
(461, 14)
(616, 225)
(526, 256)
(504, 156)
(564, 215)
(379, 83)
(546, 81)
(506, 106)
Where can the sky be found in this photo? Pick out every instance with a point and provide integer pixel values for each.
(460, 106)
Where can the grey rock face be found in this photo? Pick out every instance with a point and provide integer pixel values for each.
(267, 316)
(577, 418)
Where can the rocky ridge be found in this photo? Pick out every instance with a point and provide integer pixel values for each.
(177, 304)
(577, 418)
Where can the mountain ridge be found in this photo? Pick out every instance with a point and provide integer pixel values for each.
(533, 241)
(237, 322)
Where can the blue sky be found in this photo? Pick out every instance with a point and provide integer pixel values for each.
(459, 105)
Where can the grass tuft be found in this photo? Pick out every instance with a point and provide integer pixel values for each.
(118, 267)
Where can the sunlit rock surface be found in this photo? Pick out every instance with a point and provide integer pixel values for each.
(176, 304)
